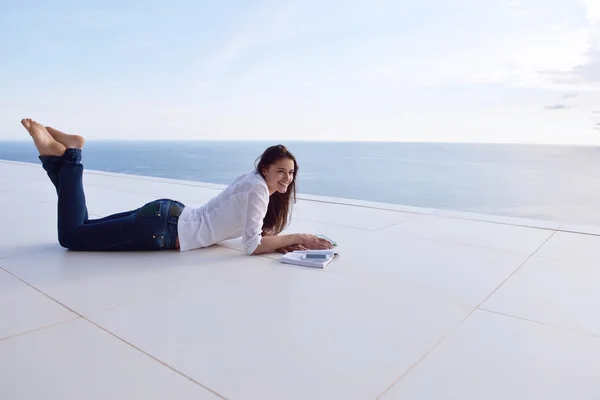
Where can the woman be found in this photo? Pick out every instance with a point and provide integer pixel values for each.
(255, 207)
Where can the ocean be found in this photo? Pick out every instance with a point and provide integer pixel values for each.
(556, 183)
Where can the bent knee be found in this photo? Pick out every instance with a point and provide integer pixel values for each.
(67, 241)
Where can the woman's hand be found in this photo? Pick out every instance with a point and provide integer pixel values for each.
(312, 242)
(293, 247)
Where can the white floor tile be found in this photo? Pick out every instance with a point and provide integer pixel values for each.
(527, 222)
(29, 210)
(28, 192)
(31, 234)
(107, 201)
(572, 247)
(92, 281)
(553, 292)
(271, 332)
(352, 216)
(370, 204)
(77, 360)
(494, 357)
(483, 234)
(190, 195)
(187, 193)
(127, 183)
(21, 173)
(454, 272)
(23, 309)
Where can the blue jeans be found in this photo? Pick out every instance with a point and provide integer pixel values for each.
(150, 227)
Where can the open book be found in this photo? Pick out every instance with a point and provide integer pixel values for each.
(309, 258)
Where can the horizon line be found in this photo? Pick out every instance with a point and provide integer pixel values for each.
(320, 141)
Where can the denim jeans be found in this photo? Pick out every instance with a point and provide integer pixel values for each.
(150, 227)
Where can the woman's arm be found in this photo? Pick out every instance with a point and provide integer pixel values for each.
(256, 238)
(269, 244)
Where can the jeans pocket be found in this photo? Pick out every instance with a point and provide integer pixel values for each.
(152, 209)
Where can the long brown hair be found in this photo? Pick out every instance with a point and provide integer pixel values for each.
(279, 211)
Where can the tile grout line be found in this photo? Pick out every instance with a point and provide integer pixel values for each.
(154, 358)
(81, 316)
(528, 226)
(517, 269)
(446, 241)
(413, 365)
(436, 345)
(522, 225)
(540, 323)
(578, 232)
(45, 295)
(391, 225)
(40, 328)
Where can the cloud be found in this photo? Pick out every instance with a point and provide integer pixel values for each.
(546, 60)
(554, 55)
(587, 74)
(557, 107)
(590, 71)
(570, 95)
(584, 75)
(592, 10)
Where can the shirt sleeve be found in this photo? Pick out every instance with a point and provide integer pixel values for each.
(257, 203)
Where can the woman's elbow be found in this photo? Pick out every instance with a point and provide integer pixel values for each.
(253, 250)
(254, 253)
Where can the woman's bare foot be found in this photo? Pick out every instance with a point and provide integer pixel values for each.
(69, 141)
(42, 139)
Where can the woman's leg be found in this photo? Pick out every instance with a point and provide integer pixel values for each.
(72, 208)
(110, 217)
(52, 168)
(142, 229)
(52, 165)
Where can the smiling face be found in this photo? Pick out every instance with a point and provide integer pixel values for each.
(279, 169)
(279, 175)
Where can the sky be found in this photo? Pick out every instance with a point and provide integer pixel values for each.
(514, 71)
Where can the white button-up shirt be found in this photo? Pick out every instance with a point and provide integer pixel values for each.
(238, 211)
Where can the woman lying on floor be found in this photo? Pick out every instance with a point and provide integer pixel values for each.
(255, 207)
